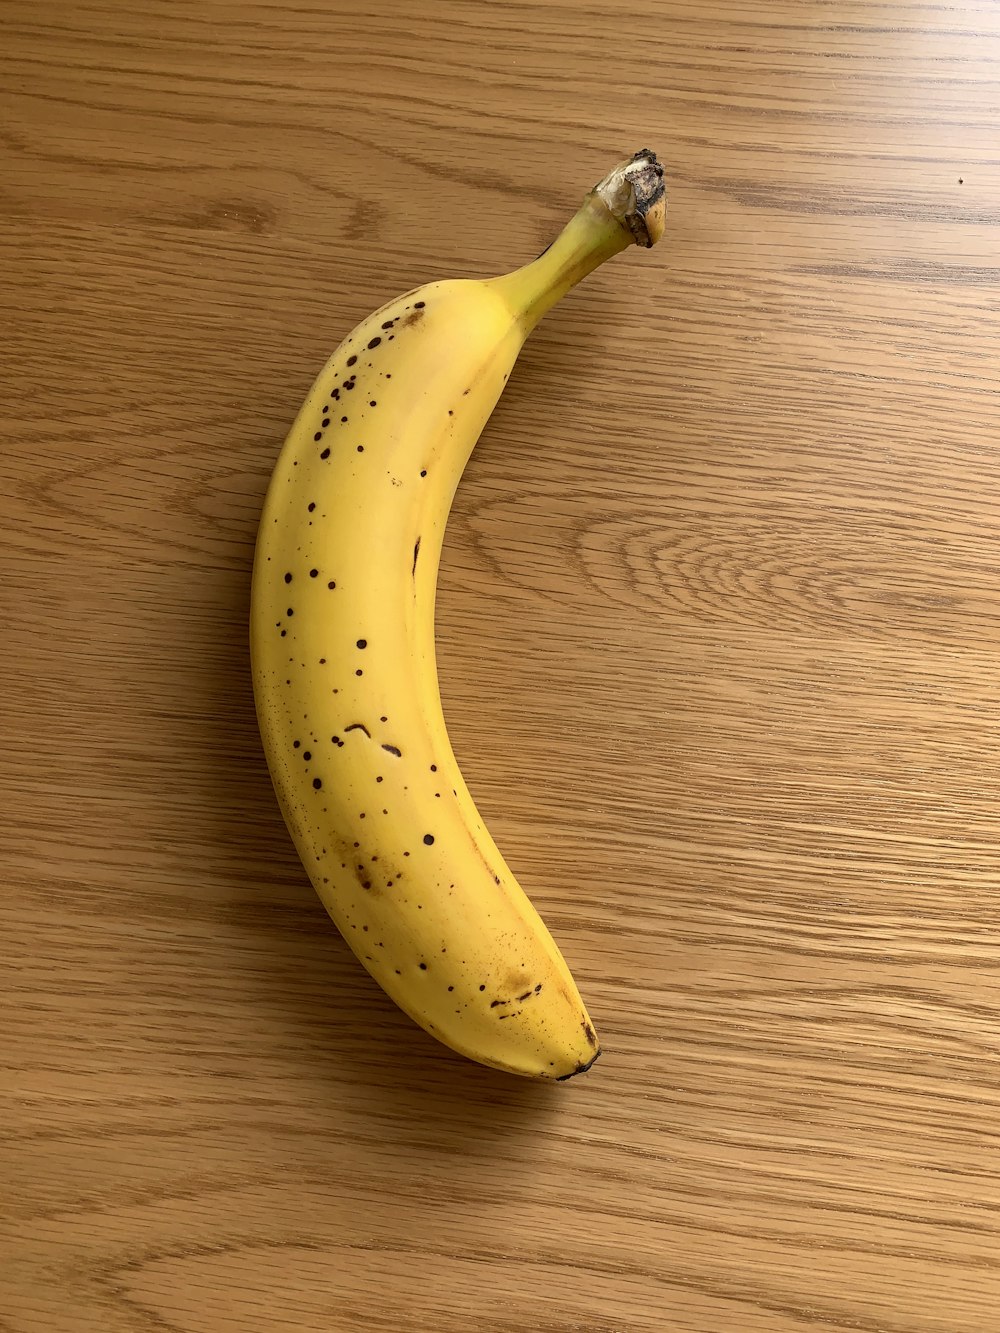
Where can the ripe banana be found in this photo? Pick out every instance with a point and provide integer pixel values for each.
(342, 650)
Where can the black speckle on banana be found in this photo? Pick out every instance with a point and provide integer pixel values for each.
(342, 646)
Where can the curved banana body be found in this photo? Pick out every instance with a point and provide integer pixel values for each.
(345, 679)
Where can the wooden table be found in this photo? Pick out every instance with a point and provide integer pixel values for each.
(719, 630)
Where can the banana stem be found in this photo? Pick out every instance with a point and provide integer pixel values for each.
(626, 208)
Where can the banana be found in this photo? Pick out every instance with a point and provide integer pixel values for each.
(343, 662)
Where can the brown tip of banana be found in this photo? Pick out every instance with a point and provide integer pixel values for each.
(634, 192)
(581, 1068)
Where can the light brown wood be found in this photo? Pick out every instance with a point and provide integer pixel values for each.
(719, 629)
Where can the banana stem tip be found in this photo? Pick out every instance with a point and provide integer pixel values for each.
(635, 194)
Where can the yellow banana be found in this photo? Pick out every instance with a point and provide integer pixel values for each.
(342, 648)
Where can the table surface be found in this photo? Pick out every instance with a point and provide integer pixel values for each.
(718, 624)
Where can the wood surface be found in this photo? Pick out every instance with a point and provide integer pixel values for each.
(719, 634)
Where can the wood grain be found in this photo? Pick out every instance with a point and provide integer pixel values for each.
(719, 629)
